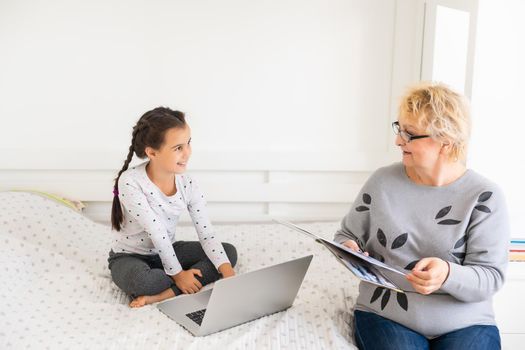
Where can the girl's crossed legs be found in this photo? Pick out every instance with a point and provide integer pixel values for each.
(142, 277)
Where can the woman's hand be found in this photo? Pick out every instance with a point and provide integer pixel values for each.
(428, 275)
(226, 270)
(186, 281)
(353, 245)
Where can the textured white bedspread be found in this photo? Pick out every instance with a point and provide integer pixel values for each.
(56, 290)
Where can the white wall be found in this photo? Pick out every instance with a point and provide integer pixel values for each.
(280, 94)
(289, 75)
(497, 148)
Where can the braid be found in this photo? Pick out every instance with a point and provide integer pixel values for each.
(116, 210)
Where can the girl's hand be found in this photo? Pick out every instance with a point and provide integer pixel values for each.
(428, 275)
(186, 281)
(226, 270)
(353, 245)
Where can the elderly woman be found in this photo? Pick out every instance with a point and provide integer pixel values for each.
(445, 225)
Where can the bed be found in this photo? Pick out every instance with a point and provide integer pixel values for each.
(57, 292)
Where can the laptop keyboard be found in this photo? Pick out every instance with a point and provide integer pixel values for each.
(197, 316)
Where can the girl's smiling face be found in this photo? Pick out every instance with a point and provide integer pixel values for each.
(174, 153)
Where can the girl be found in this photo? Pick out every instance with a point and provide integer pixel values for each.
(146, 261)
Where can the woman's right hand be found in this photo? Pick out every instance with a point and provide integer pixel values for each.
(354, 246)
(186, 281)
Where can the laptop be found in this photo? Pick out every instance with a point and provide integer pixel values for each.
(238, 299)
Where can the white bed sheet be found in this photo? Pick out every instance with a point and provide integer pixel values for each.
(56, 290)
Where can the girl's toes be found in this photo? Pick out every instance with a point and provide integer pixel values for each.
(138, 302)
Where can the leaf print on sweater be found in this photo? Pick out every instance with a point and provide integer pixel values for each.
(401, 298)
(444, 212)
(367, 199)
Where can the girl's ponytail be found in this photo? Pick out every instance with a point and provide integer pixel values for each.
(116, 210)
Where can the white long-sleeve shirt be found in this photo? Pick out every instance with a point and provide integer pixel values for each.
(151, 217)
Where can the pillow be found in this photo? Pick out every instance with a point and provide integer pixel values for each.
(71, 203)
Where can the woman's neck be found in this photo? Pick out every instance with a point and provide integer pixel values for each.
(439, 175)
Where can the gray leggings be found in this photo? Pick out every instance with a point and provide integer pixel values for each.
(138, 274)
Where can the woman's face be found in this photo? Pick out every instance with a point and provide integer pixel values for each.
(422, 153)
(175, 152)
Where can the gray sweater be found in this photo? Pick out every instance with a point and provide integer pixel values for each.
(465, 223)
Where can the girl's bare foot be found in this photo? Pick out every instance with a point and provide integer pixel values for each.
(139, 301)
(150, 299)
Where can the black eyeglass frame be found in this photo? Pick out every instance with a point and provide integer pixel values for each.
(405, 135)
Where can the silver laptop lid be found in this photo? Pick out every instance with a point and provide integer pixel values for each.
(254, 294)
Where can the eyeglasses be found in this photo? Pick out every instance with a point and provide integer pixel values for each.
(405, 136)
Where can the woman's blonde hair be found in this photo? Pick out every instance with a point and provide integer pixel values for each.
(441, 112)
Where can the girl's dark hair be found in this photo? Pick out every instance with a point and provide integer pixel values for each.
(148, 132)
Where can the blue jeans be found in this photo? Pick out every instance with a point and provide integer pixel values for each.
(372, 331)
